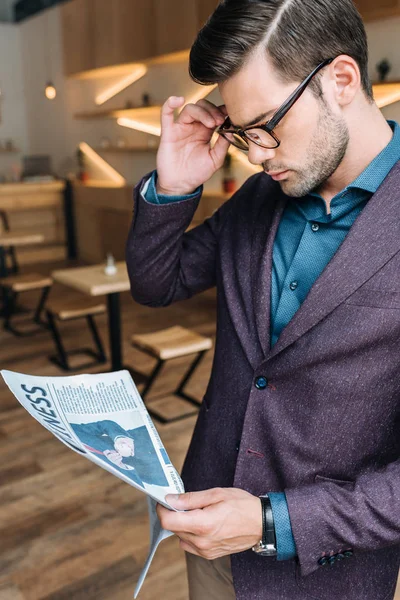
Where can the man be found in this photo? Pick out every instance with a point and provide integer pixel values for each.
(130, 451)
(303, 399)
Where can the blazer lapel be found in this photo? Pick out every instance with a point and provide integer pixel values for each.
(264, 233)
(371, 242)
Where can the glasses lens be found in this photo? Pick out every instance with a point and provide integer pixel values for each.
(261, 138)
(235, 140)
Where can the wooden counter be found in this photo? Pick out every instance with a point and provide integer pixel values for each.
(34, 208)
(103, 215)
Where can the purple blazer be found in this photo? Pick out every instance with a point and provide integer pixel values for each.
(326, 430)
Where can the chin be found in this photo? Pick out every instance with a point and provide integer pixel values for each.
(294, 191)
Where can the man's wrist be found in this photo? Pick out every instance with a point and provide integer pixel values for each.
(267, 544)
(176, 192)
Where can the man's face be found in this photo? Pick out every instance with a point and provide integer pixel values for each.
(125, 446)
(313, 134)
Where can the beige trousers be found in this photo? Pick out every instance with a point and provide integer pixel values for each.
(209, 579)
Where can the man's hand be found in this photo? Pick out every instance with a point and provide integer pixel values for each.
(219, 522)
(185, 158)
(116, 458)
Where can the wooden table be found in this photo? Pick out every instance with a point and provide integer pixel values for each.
(15, 239)
(94, 282)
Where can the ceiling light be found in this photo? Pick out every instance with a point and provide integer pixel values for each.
(50, 91)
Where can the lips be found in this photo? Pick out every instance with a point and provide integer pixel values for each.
(278, 175)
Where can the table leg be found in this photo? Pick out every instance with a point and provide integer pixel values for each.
(3, 266)
(114, 325)
(3, 273)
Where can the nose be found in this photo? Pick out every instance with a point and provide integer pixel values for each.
(258, 155)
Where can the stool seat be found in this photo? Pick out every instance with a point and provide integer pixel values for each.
(64, 310)
(25, 283)
(172, 342)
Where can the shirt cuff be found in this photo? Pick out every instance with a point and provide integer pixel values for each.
(149, 193)
(285, 544)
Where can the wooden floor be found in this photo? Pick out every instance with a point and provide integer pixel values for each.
(68, 529)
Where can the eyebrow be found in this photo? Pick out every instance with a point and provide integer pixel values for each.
(261, 117)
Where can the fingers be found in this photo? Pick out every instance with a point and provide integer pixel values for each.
(168, 108)
(218, 115)
(195, 500)
(195, 113)
(203, 111)
(182, 522)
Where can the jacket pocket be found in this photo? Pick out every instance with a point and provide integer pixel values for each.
(374, 298)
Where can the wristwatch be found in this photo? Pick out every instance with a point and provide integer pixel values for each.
(267, 545)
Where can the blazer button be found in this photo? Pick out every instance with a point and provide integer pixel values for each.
(322, 561)
(261, 383)
(332, 559)
(348, 553)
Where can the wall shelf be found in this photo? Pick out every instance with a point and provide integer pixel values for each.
(126, 68)
(140, 113)
(386, 93)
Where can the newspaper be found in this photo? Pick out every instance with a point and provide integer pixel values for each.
(103, 418)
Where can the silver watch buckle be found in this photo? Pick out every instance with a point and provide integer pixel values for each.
(264, 549)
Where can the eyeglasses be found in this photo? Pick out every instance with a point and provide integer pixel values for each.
(263, 135)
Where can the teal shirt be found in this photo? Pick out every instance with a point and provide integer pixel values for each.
(306, 241)
(308, 238)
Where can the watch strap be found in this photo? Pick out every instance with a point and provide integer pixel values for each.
(268, 528)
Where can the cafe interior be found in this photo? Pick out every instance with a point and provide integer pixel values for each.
(82, 83)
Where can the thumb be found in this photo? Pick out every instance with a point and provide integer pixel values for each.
(194, 500)
(219, 151)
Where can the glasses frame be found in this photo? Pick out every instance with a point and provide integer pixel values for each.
(270, 125)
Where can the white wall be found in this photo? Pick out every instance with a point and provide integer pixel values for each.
(52, 128)
(13, 124)
(49, 126)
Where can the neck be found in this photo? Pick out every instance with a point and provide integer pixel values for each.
(369, 135)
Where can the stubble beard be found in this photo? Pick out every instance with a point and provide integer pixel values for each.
(325, 153)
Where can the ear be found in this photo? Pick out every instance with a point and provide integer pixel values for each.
(346, 78)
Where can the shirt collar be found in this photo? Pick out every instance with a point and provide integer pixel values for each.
(372, 177)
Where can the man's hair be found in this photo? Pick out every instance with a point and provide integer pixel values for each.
(297, 35)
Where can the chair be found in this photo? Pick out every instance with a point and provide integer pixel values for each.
(17, 284)
(168, 344)
(69, 310)
(10, 251)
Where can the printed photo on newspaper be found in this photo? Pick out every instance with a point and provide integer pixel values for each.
(103, 418)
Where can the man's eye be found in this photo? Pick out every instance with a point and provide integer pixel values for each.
(252, 135)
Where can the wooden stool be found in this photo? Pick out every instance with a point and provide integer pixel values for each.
(17, 284)
(8, 252)
(165, 345)
(68, 311)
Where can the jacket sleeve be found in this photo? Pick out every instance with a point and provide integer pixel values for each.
(166, 263)
(334, 516)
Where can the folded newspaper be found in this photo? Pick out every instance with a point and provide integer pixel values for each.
(103, 418)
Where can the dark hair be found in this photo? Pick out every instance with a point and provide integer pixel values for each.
(298, 35)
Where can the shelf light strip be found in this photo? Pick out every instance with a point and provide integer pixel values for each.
(140, 126)
(107, 169)
(115, 89)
